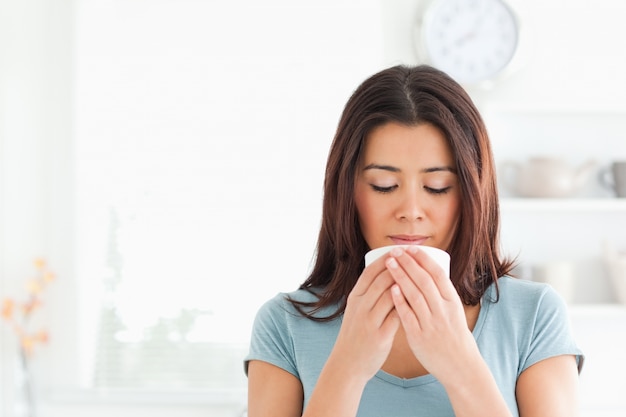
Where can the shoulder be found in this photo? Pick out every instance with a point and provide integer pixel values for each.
(535, 316)
(510, 284)
(281, 334)
(524, 294)
(282, 306)
(275, 319)
(272, 333)
(524, 304)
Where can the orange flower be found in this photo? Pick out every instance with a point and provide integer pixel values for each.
(27, 343)
(34, 287)
(48, 277)
(8, 305)
(17, 314)
(39, 263)
(42, 336)
(31, 305)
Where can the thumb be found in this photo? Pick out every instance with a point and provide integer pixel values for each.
(390, 325)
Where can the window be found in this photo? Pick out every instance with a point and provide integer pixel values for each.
(202, 130)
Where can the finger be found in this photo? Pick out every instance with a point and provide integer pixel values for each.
(368, 300)
(407, 316)
(381, 284)
(391, 324)
(439, 277)
(419, 275)
(368, 276)
(422, 304)
(383, 307)
(376, 291)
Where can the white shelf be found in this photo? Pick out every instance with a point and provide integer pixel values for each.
(563, 204)
(597, 310)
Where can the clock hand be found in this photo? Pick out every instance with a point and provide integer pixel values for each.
(465, 38)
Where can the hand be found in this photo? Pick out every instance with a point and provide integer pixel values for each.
(431, 313)
(369, 323)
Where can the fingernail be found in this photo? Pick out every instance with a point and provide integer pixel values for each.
(396, 252)
(392, 263)
(414, 249)
(395, 290)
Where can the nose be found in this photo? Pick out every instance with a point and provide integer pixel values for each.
(410, 207)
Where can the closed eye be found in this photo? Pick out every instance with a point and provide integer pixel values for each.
(437, 190)
(383, 190)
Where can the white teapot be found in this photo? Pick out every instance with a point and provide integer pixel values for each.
(545, 177)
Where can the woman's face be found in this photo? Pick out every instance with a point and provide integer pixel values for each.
(407, 190)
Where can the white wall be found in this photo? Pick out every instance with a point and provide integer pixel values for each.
(577, 68)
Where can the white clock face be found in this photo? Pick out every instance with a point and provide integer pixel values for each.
(471, 40)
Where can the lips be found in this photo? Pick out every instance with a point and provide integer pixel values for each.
(408, 239)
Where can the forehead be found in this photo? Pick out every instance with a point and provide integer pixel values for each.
(400, 145)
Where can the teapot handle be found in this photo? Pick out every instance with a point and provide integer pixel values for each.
(509, 171)
(605, 176)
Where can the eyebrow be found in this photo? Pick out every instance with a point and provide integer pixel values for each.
(395, 169)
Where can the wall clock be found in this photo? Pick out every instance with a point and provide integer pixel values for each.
(473, 41)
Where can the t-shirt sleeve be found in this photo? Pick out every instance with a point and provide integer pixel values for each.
(270, 340)
(551, 333)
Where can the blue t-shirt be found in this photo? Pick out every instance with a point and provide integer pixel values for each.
(527, 324)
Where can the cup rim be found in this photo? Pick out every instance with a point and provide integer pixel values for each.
(373, 254)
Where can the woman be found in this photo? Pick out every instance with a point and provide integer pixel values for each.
(411, 164)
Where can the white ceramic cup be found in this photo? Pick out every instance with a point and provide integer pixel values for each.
(614, 177)
(440, 256)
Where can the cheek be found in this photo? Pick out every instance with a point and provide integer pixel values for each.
(368, 211)
(450, 216)
(363, 208)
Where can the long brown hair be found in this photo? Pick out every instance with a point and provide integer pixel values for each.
(411, 96)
